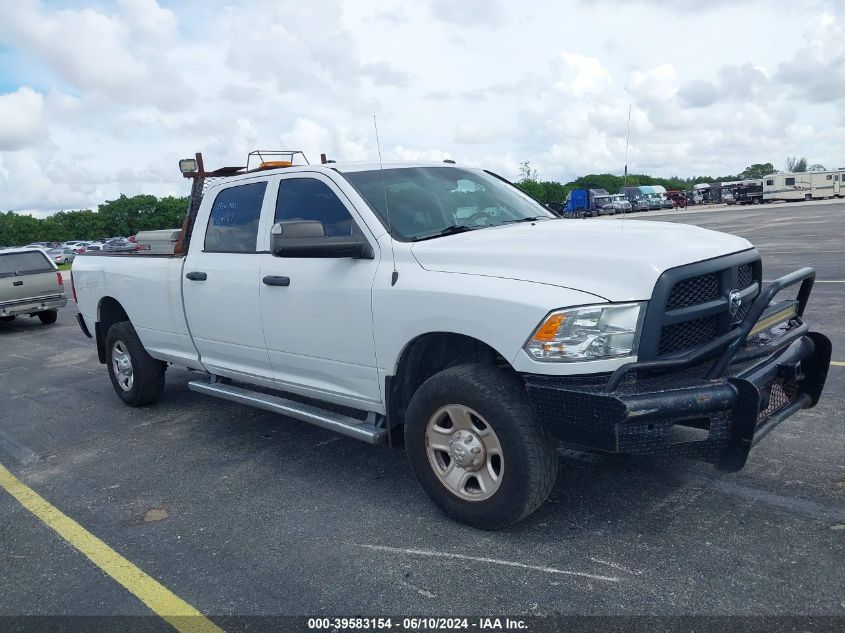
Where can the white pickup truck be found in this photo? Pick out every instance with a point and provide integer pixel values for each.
(440, 307)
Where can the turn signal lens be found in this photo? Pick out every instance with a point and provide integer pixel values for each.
(547, 331)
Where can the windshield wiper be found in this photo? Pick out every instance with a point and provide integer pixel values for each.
(539, 217)
(449, 230)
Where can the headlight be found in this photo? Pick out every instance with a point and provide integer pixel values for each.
(587, 333)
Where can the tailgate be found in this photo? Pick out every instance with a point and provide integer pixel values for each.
(27, 275)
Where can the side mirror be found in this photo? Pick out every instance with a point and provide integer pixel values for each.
(307, 238)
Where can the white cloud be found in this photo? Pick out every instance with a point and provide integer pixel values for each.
(21, 119)
(91, 50)
(103, 100)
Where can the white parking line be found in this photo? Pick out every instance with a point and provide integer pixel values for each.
(479, 559)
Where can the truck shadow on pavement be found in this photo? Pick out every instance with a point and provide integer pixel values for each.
(593, 491)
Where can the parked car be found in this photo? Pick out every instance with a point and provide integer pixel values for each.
(481, 340)
(78, 246)
(30, 285)
(62, 255)
(119, 245)
(93, 248)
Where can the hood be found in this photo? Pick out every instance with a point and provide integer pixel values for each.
(617, 260)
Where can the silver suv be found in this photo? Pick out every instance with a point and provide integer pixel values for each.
(30, 284)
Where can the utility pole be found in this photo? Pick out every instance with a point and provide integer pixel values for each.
(627, 138)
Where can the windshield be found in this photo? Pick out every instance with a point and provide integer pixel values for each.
(427, 201)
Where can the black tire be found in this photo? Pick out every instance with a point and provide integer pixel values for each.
(48, 317)
(8, 319)
(147, 372)
(808, 197)
(528, 453)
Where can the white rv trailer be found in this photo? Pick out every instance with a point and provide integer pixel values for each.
(809, 185)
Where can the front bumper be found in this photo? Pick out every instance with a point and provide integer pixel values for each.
(694, 406)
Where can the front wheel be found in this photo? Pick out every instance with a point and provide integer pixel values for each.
(476, 447)
(137, 377)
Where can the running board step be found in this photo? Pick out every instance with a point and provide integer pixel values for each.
(364, 430)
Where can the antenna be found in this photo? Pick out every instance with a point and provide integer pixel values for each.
(627, 137)
(395, 275)
(625, 181)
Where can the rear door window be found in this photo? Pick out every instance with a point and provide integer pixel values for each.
(29, 263)
(233, 223)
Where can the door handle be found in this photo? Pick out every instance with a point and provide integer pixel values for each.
(275, 280)
(196, 276)
(17, 283)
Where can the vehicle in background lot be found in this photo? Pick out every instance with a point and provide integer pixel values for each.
(78, 246)
(93, 248)
(61, 255)
(678, 198)
(651, 197)
(473, 324)
(603, 205)
(724, 191)
(587, 202)
(620, 203)
(43, 245)
(660, 193)
(704, 190)
(119, 245)
(749, 192)
(636, 198)
(30, 284)
(809, 185)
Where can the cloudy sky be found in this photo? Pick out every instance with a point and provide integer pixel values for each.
(103, 97)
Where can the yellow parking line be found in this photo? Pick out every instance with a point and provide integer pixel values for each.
(167, 605)
(837, 363)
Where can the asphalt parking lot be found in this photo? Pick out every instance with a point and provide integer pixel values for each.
(242, 512)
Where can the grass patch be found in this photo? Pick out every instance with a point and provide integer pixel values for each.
(64, 266)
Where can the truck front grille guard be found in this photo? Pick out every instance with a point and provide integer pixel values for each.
(730, 344)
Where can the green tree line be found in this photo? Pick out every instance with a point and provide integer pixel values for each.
(550, 191)
(124, 216)
(128, 215)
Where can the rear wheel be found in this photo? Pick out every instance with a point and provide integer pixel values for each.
(137, 377)
(48, 317)
(808, 197)
(476, 446)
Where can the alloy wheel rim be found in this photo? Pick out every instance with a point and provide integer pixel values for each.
(122, 365)
(464, 452)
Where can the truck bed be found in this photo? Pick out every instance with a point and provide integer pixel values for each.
(149, 288)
